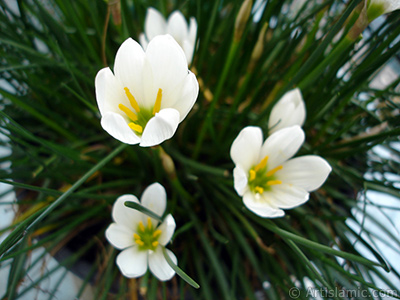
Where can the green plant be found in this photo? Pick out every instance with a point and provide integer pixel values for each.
(68, 172)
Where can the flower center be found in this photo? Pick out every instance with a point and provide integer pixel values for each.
(141, 116)
(146, 237)
(261, 180)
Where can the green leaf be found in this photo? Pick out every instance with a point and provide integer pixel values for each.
(179, 271)
(143, 209)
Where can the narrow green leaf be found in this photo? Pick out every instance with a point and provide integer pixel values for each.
(42, 118)
(22, 229)
(179, 271)
(308, 243)
(143, 209)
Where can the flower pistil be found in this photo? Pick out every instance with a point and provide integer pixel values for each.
(146, 237)
(142, 116)
(260, 179)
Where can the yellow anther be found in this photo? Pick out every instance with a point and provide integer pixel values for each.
(261, 164)
(252, 175)
(156, 233)
(136, 127)
(149, 224)
(273, 171)
(157, 105)
(273, 182)
(139, 242)
(259, 189)
(141, 226)
(128, 112)
(154, 244)
(132, 100)
(136, 236)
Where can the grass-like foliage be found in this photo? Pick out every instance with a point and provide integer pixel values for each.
(67, 171)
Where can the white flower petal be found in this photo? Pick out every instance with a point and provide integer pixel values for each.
(159, 266)
(289, 196)
(308, 172)
(126, 216)
(155, 23)
(282, 145)
(261, 207)
(154, 198)
(393, 5)
(188, 48)
(168, 63)
(192, 31)
(177, 27)
(108, 91)
(167, 230)
(240, 180)
(150, 90)
(120, 236)
(117, 127)
(128, 68)
(245, 150)
(132, 262)
(288, 111)
(187, 97)
(160, 128)
(143, 40)
(389, 5)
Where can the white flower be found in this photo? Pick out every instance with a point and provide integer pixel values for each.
(148, 95)
(375, 8)
(140, 237)
(266, 177)
(288, 111)
(155, 24)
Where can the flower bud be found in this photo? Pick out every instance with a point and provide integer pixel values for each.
(371, 9)
(376, 8)
(167, 163)
(258, 48)
(242, 18)
(288, 111)
(115, 7)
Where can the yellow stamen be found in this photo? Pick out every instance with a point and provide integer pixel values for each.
(128, 112)
(273, 182)
(136, 236)
(136, 127)
(259, 190)
(132, 100)
(273, 171)
(156, 233)
(252, 175)
(261, 164)
(139, 242)
(154, 244)
(149, 224)
(157, 105)
(141, 226)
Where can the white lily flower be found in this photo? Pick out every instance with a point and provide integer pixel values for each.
(140, 237)
(155, 24)
(376, 8)
(148, 95)
(288, 111)
(266, 176)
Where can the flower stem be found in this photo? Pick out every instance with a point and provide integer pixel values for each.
(103, 37)
(208, 120)
(235, 104)
(329, 60)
